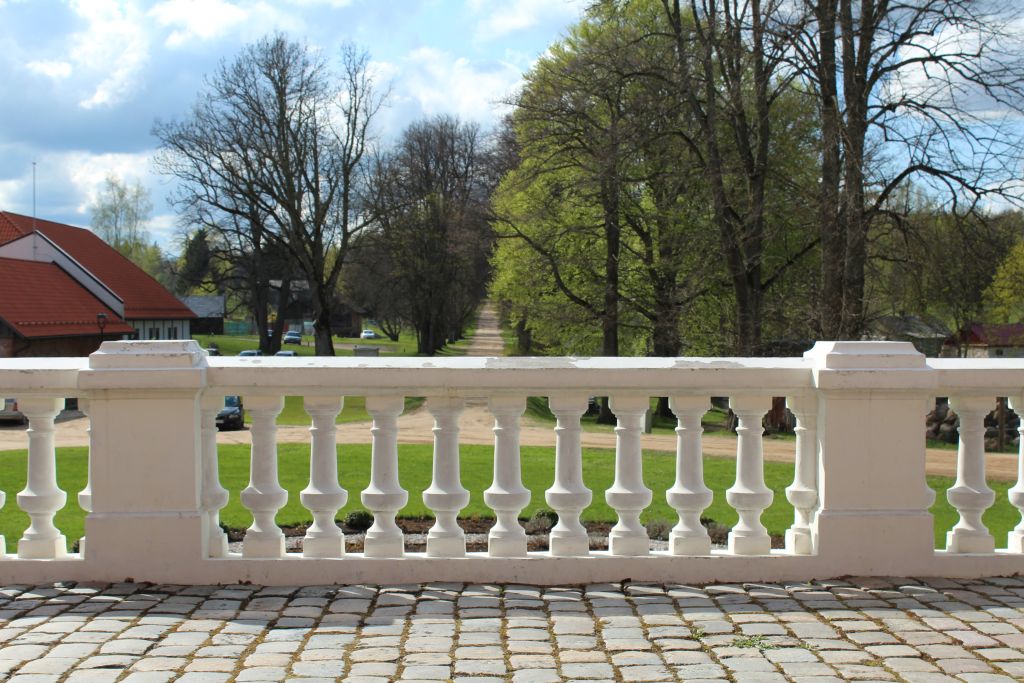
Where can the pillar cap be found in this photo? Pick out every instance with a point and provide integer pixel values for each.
(865, 355)
(170, 354)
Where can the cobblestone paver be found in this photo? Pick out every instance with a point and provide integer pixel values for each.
(922, 631)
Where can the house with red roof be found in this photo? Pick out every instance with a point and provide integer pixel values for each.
(980, 340)
(65, 290)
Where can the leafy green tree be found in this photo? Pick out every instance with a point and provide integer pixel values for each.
(1004, 296)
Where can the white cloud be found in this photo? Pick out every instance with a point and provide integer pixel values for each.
(502, 17)
(106, 57)
(443, 83)
(111, 51)
(55, 69)
(86, 172)
(336, 4)
(165, 230)
(197, 19)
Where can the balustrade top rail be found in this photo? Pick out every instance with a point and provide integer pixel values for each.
(859, 493)
(540, 375)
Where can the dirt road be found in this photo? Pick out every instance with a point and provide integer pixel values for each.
(476, 423)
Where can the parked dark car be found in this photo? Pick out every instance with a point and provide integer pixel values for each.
(250, 352)
(286, 353)
(9, 412)
(292, 338)
(232, 415)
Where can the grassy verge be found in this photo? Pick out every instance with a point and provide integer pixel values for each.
(415, 476)
(714, 421)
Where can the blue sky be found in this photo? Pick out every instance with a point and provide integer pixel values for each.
(84, 80)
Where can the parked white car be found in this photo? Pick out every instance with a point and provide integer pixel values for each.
(369, 334)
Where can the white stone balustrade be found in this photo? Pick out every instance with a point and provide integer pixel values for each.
(970, 495)
(41, 498)
(859, 491)
(803, 492)
(628, 496)
(263, 497)
(384, 497)
(568, 496)
(689, 496)
(446, 496)
(323, 497)
(507, 496)
(749, 495)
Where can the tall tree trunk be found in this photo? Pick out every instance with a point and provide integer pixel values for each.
(833, 243)
(857, 38)
(260, 297)
(284, 296)
(610, 319)
(322, 334)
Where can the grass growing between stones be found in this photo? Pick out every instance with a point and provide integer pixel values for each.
(415, 476)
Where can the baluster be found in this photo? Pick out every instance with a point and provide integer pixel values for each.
(41, 498)
(1015, 538)
(323, 496)
(213, 496)
(970, 495)
(568, 496)
(264, 496)
(689, 496)
(507, 495)
(628, 496)
(85, 495)
(446, 496)
(803, 492)
(384, 497)
(749, 495)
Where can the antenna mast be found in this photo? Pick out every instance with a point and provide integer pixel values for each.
(33, 195)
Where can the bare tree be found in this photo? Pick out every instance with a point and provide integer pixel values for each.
(276, 142)
(916, 91)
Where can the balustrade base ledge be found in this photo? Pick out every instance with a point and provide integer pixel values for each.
(536, 569)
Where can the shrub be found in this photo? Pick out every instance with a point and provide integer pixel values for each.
(359, 520)
(542, 521)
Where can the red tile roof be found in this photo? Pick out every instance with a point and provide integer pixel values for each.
(977, 334)
(50, 303)
(144, 298)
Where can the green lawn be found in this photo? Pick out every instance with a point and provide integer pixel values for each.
(230, 345)
(415, 475)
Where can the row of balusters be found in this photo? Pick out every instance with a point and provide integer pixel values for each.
(507, 497)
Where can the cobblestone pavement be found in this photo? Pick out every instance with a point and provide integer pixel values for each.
(860, 629)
